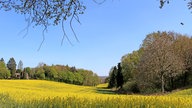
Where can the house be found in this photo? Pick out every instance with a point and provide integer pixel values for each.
(17, 75)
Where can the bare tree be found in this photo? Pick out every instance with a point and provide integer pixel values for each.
(158, 60)
(183, 48)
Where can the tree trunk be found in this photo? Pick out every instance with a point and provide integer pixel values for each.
(162, 84)
(185, 78)
(172, 83)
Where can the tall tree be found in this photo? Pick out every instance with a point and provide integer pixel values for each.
(26, 73)
(50, 72)
(119, 76)
(4, 73)
(20, 65)
(2, 60)
(112, 77)
(129, 63)
(39, 73)
(183, 48)
(11, 65)
(158, 60)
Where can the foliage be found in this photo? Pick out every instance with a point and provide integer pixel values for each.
(131, 87)
(39, 73)
(50, 73)
(89, 78)
(2, 60)
(20, 65)
(78, 79)
(4, 73)
(183, 49)
(65, 74)
(11, 65)
(159, 60)
(163, 62)
(129, 64)
(112, 77)
(116, 77)
(119, 76)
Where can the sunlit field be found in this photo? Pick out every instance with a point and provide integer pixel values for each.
(47, 94)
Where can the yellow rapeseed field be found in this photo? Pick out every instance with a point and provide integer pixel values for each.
(47, 94)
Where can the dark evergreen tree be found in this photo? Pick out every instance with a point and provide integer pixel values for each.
(11, 65)
(119, 76)
(2, 60)
(20, 65)
(73, 69)
(112, 77)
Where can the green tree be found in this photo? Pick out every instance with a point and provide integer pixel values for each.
(31, 72)
(61, 76)
(20, 65)
(89, 78)
(129, 63)
(11, 65)
(2, 60)
(4, 73)
(26, 73)
(119, 76)
(18, 71)
(50, 72)
(27, 69)
(96, 80)
(70, 77)
(39, 73)
(78, 79)
(73, 69)
(112, 77)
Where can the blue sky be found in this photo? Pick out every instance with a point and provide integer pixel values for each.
(107, 32)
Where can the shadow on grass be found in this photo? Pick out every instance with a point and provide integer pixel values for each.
(105, 90)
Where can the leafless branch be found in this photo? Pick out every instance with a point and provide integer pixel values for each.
(72, 27)
(43, 33)
(99, 3)
(65, 35)
(26, 29)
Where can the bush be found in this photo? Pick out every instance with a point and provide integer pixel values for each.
(148, 88)
(131, 87)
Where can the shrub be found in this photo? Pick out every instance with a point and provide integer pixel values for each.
(131, 87)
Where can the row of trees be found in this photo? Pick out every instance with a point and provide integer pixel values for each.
(9, 70)
(59, 73)
(163, 62)
(65, 74)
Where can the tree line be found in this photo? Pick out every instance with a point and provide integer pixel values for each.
(60, 73)
(162, 63)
